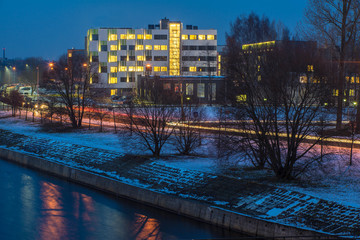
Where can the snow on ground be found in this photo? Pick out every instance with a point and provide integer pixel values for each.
(335, 181)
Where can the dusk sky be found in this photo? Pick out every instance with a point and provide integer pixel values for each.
(48, 28)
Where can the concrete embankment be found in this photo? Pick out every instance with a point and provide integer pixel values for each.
(195, 209)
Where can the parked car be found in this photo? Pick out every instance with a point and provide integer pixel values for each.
(25, 90)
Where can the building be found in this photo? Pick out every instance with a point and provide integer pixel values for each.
(168, 49)
(192, 89)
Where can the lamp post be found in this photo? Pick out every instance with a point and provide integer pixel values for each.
(14, 73)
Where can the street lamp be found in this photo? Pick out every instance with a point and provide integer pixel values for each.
(14, 73)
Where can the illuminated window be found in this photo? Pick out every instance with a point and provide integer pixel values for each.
(310, 68)
(112, 37)
(112, 58)
(123, 69)
(335, 92)
(113, 92)
(202, 37)
(131, 36)
(140, 36)
(70, 55)
(357, 80)
(184, 37)
(139, 47)
(148, 47)
(193, 37)
(140, 69)
(148, 36)
(112, 80)
(241, 98)
(163, 47)
(192, 69)
(157, 69)
(113, 47)
(156, 47)
(131, 68)
(210, 37)
(352, 79)
(140, 58)
(189, 89)
(113, 69)
(351, 92)
(123, 36)
(164, 69)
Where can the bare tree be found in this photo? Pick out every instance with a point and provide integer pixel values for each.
(15, 100)
(72, 84)
(336, 24)
(281, 107)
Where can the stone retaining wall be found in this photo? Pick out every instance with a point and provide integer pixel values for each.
(190, 208)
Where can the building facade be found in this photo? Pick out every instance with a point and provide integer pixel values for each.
(122, 55)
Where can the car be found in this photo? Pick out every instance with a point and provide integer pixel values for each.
(122, 99)
(25, 90)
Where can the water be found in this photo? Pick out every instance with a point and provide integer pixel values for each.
(34, 205)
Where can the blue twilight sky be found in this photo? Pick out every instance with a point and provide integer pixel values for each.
(48, 28)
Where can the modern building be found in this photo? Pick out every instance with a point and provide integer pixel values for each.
(122, 55)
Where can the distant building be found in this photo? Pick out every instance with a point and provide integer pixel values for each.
(168, 49)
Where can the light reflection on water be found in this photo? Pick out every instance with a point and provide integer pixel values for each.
(37, 206)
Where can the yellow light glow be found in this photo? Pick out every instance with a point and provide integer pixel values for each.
(192, 69)
(157, 69)
(139, 69)
(148, 47)
(140, 36)
(193, 37)
(139, 47)
(148, 36)
(258, 45)
(131, 36)
(132, 69)
(112, 37)
(113, 47)
(156, 47)
(113, 69)
(112, 80)
(113, 92)
(140, 58)
(174, 49)
(163, 47)
(123, 69)
(123, 36)
(112, 58)
(210, 37)
(185, 37)
(164, 69)
(202, 37)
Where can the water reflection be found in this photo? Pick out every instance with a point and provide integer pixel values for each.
(146, 228)
(53, 221)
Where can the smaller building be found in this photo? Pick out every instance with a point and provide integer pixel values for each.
(186, 89)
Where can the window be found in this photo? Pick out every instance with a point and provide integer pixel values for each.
(160, 37)
(157, 69)
(140, 36)
(148, 58)
(193, 37)
(140, 58)
(201, 90)
(131, 68)
(148, 47)
(167, 86)
(202, 37)
(113, 47)
(95, 58)
(139, 69)
(139, 47)
(184, 37)
(156, 47)
(123, 79)
(177, 87)
(123, 69)
(192, 69)
(113, 92)
(164, 69)
(123, 58)
(95, 37)
(112, 37)
(112, 80)
(160, 58)
(131, 47)
(131, 58)
(112, 58)
(131, 36)
(310, 68)
(351, 92)
(202, 47)
(113, 69)
(163, 47)
(148, 36)
(185, 69)
(212, 91)
(103, 69)
(103, 48)
(123, 47)
(211, 47)
(122, 36)
(210, 37)
(189, 89)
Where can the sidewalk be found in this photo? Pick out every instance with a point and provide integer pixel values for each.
(249, 198)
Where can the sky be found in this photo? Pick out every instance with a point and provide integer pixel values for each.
(47, 29)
